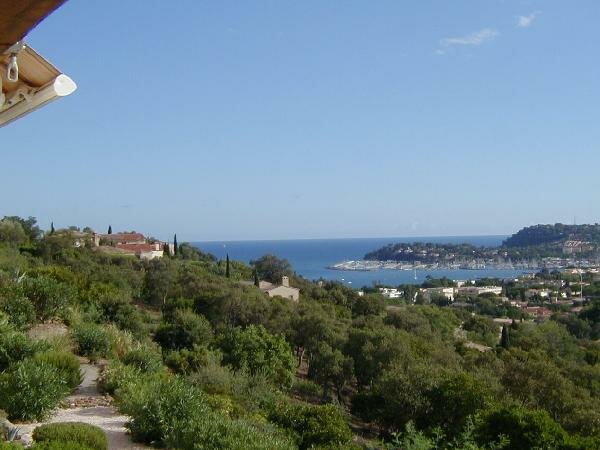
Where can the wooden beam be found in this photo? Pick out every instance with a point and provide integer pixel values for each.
(19, 17)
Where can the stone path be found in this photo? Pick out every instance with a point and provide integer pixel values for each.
(99, 413)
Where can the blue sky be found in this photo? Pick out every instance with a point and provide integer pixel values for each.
(287, 119)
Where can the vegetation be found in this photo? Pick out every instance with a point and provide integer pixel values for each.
(84, 434)
(201, 360)
(30, 390)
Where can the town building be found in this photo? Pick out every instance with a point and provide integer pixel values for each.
(133, 244)
(282, 290)
(478, 290)
(447, 292)
(391, 292)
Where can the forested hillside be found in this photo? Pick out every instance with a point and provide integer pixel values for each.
(199, 360)
(550, 234)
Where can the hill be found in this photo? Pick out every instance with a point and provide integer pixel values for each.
(553, 234)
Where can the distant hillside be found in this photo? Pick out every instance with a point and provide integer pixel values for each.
(553, 234)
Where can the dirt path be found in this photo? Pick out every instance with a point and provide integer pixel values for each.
(98, 413)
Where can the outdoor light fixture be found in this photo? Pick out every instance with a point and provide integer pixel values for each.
(27, 82)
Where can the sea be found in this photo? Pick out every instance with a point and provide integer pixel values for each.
(312, 257)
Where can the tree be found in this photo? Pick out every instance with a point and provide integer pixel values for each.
(51, 227)
(185, 330)
(505, 340)
(227, 272)
(12, 232)
(29, 225)
(523, 428)
(256, 280)
(166, 249)
(257, 350)
(109, 229)
(271, 268)
(175, 249)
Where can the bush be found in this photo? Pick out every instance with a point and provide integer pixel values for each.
(15, 346)
(116, 375)
(257, 350)
(520, 428)
(171, 413)
(185, 330)
(91, 340)
(314, 425)
(12, 446)
(30, 390)
(307, 388)
(19, 309)
(65, 363)
(120, 341)
(57, 445)
(187, 361)
(82, 433)
(143, 357)
(49, 297)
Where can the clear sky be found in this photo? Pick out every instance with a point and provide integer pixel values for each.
(298, 119)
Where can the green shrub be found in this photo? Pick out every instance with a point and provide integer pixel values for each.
(15, 346)
(314, 425)
(307, 388)
(120, 341)
(84, 434)
(170, 412)
(186, 361)
(12, 446)
(65, 363)
(144, 357)
(213, 377)
(20, 311)
(49, 297)
(59, 445)
(184, 330)
(30, 390)
(256, 350)
(116, 375)
(91, 340)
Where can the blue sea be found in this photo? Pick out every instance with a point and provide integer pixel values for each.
(311, 257)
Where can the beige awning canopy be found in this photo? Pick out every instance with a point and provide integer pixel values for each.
(19, 17)
(27, 80)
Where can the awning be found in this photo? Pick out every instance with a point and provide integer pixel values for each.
(39, 82)
(18, 17)
(27, 81)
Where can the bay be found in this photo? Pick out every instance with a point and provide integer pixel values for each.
(311, 257)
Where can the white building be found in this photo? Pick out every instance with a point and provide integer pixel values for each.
(391, 292)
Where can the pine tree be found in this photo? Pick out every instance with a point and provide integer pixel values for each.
(51, 227)
(505, 339)
(109, 229)
(227, 273)
(175, 249)
(256, 281)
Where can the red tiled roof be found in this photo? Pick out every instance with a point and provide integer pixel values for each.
(123, 237)
(138, 248)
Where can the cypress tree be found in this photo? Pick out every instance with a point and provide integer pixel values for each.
(505, 340)
(166, 249)
(256, 280)
(175, 249)
(51, 227)
(227, 273)
(109, 229)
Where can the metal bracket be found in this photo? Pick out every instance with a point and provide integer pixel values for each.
(12, 69)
